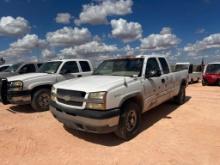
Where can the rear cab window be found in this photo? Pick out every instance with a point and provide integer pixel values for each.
(164, 65)
(85, 66)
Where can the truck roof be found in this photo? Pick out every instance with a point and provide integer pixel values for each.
(183, 63)
(69, 60)
(213, 63)
(137, 56)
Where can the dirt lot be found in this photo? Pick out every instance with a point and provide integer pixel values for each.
(189, 134)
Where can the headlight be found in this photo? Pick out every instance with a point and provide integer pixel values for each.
(97, 95)
(15, 85)
(96, 101)
(53, 94)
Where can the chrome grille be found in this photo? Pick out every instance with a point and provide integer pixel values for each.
(70, 97)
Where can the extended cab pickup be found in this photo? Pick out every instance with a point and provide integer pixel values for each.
(19, 68)
(194, 76)
(34, 88)
(113, 99)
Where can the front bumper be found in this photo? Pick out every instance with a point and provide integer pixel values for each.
(86, 120)
(19, 97)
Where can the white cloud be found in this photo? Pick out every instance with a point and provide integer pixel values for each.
(10, 26)
(164, 40)
(29, 41)
(98, 13)
(68, 36)
(47, 53)
(126, 31)
(63, 18)
(24, 46)
(91, 49)
(212, 41)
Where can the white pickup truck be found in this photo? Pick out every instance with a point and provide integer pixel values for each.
(34, 88)
(193, 76)
(120, 90)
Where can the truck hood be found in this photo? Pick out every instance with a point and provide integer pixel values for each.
(93, 83)
(7, 74)
(29, 76)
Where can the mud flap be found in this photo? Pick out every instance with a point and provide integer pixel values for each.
(3, 91)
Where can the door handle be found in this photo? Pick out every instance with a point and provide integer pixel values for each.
(163, 80)
(79, 75)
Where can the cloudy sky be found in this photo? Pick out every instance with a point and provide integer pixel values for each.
(183, 30)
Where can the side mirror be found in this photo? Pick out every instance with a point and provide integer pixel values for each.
(153, 73)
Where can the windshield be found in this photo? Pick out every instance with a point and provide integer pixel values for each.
(50, 67)
(120, 67)
(180, 67)
(13, 68)
(213, 68)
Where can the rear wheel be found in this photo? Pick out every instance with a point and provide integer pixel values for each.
(218, 82)
(40, 100)
(204, 83)
(130, 121)
(180, 98)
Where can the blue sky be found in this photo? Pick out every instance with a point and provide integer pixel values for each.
(184, 22)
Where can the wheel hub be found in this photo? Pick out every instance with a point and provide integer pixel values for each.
(131, 120)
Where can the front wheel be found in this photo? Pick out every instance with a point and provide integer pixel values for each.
(180, 98)
(40, 100)
(130, 121)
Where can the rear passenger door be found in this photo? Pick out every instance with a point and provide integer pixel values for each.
(86, 68)
(70, 69)
(166, 80)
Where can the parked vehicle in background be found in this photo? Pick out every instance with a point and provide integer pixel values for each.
(113, 99)
(4, 67)
(34, 88)
(19, 68)
(211, 74)
(194, 76)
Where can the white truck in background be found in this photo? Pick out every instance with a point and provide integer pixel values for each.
(194, 76)
(115, 96)
(34, 88)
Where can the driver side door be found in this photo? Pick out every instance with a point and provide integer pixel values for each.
(69, 70)
(152, 84)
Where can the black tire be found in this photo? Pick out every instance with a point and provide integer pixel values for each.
(204, 83)
(130, 121)
(40, 100)
(180, 98)
(218, 82)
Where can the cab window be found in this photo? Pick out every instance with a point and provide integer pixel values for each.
(152, 65)
(85, 66)
(164, 65)
(69, 67)
(28, 68)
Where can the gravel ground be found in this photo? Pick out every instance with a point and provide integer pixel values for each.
(188, 135)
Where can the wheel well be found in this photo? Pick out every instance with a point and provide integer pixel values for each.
(40, 87)
(138, 99)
